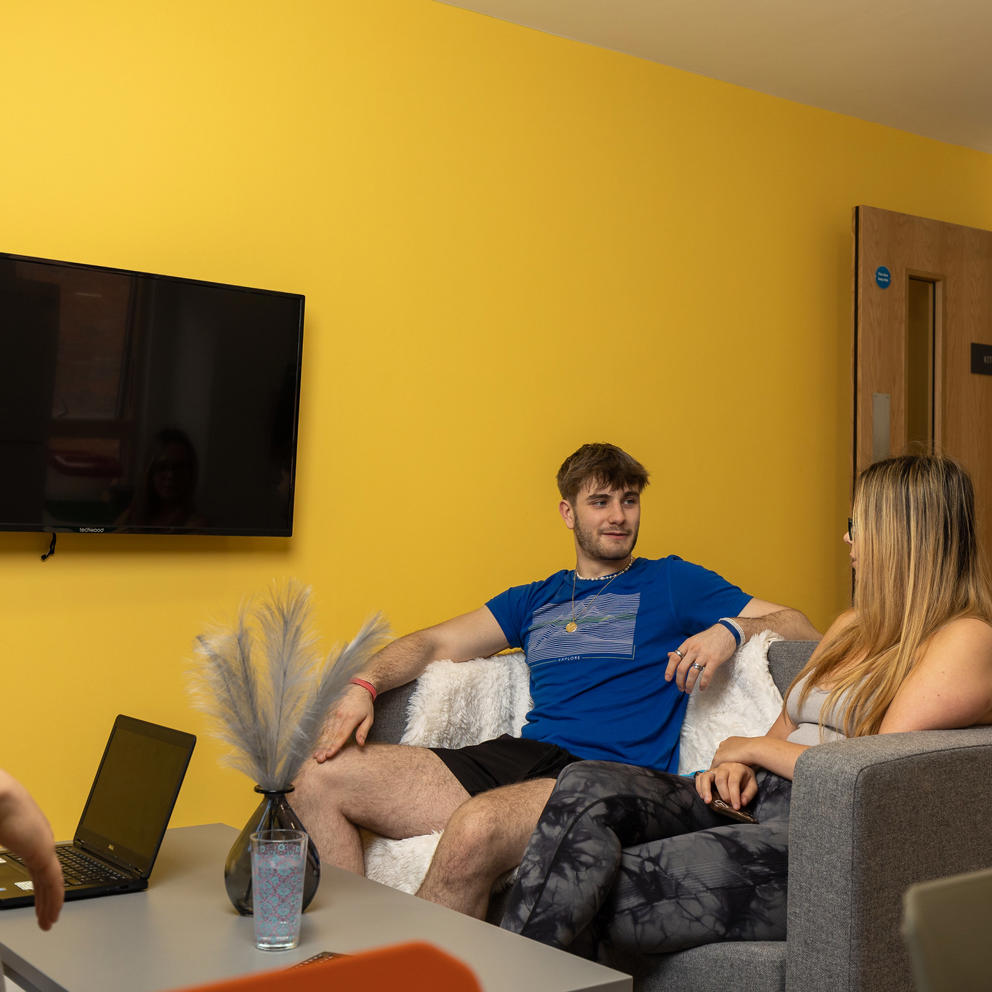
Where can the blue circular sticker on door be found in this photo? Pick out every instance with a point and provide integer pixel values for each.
(882, 277)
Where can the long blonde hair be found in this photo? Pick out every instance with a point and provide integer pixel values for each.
(919, 565)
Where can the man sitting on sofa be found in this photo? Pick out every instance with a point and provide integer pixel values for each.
(598, 639)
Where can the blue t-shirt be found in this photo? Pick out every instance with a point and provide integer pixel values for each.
(600, 691)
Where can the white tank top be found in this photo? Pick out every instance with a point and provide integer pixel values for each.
(807, 716)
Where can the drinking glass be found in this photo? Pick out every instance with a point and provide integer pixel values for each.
(278, 858)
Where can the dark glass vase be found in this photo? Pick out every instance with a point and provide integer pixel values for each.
(273, 813)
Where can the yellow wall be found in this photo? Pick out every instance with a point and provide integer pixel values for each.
(509, 244)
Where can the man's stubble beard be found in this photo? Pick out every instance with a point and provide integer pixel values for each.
(589, 544)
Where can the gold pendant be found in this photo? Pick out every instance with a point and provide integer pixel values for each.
(571, 626)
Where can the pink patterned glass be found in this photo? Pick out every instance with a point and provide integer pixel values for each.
(277, 863)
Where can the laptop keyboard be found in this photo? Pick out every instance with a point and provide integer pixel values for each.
(78, 869)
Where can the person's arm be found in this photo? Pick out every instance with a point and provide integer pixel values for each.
(949, 687)
(24, 829)
(772, 751)
(710, 648)
(731, 773)
(472, 635)
(791, 624)
(951, 684)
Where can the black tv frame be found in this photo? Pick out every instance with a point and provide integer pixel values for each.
(148, 282)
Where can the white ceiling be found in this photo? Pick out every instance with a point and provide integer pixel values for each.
(923, 66)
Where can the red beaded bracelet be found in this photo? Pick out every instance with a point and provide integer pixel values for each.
(366, 685)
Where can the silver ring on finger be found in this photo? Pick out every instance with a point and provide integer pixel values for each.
(697, 666)
(680, 654)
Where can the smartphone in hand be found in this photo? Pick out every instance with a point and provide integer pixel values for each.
(724, 808)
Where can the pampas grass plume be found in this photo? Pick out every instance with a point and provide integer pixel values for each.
(265, 687)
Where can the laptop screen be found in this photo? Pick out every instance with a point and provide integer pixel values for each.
(134, 791)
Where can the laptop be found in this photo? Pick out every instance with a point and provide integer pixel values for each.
(123, 821)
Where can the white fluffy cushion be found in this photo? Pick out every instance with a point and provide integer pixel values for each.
(455, 704)
(459, 703)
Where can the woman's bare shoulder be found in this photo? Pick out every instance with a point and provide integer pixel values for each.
(964, 639)
(951, 683)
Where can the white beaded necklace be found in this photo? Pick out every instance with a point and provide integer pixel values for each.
(573, 625)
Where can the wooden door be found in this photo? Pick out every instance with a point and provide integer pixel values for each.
(923, 344)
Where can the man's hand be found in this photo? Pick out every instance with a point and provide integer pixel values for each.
(733, 781)
(354, 713)
(24, 829)
(471, 635)
(698, 657)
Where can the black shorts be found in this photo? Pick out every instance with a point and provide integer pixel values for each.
(505, 760)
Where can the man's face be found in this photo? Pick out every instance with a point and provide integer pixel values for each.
(605, 521)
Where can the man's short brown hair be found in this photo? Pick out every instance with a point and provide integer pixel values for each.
(602, 464)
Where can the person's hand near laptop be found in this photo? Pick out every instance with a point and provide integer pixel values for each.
(25, 831)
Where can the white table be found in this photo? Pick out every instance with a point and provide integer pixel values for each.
(183, 931)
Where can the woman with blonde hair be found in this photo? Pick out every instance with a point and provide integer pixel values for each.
(630, 860)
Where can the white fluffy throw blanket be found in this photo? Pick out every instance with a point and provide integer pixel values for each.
(455, 704)
(459, 703)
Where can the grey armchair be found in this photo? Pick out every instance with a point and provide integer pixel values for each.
(869, 818)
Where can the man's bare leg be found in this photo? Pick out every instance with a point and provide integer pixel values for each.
(392, 789)
(485, 837)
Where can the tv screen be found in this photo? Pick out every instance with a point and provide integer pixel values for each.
(141, 403)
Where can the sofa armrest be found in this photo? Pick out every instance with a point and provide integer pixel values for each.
(390, 714)
(869, 817)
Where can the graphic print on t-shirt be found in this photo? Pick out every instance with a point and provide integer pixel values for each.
(607, 631)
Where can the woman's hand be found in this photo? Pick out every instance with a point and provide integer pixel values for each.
(771, 751)
(735, 749)
(733, 781)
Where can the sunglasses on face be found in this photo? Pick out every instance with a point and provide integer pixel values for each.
(850, 529)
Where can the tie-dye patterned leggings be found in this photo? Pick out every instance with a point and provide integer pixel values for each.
(629, 860)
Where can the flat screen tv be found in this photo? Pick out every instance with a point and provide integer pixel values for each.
(141, 403)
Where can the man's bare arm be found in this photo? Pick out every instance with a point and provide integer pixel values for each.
(472, 635)
(791, 624)
(702, 654)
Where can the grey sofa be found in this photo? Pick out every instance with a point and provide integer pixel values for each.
(869, 818)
